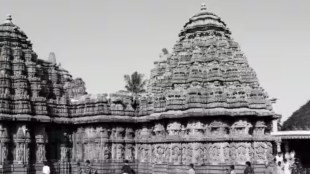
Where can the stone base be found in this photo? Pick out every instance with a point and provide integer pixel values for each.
(115, 168)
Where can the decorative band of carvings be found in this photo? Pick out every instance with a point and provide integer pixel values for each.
(128, 119)
(181, 140)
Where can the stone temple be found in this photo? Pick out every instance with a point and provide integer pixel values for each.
(203, 105)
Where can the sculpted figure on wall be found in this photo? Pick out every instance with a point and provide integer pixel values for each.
(129, 152)
(4, 153)
(40, 153)
(260, 152)
(160, 152)
(21, 140)
(270, 152)
(243, 152)
(176, 153)
(167, 153)
(63, 154)
(4, 144)
(226, 152)
(187, 153)
(144, 152)
(214, 153)
(20, 152)
(198, 153)
(79, 152)
(105, 151)
(120, 151)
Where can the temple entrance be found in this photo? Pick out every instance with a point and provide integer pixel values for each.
(302, 150)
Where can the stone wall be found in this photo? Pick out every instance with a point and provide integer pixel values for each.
(217, 142)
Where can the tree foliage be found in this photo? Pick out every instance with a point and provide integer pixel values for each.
(135, 83)
(300, 119)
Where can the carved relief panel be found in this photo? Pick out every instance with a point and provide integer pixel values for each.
(241, 128)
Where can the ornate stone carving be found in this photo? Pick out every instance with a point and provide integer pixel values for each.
(198, 153)
(21, 140)
(159, 130)
(4, 147)
(195, 128)
(129, 152)
(214, 153)
(176, 152)
(160, 153)
(40, 153)
(259, 129)
(173, 128)
(241, 128)
(75, 88)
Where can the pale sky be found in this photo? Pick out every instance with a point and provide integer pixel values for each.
(102, 40)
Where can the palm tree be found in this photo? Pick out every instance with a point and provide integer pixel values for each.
(135, 83)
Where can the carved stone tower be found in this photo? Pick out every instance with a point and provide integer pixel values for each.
(203, 105)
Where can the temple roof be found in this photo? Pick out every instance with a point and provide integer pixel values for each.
(207, 70)
(204, 20)
(299, 120)
(11, 33)
(205, 75)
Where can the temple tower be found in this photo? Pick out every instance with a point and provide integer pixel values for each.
(204, 105)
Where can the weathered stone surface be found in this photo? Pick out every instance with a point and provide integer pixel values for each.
(203, 105)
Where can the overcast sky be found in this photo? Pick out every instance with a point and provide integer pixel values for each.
(102, 40)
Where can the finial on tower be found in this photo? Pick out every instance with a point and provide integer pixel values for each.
(8, 18)
(52, 58)
(203, 7)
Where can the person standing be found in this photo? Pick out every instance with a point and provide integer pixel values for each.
(279, 157)
(191, 169)
(286, 167)
(79, 169)
(88, 168)
(126, 169)
(46, 169)
(248, 169)
(232, 169)
(279, 169)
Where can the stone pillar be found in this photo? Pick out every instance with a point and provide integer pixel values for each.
(278, 144)
(21, 141)
(4, 147)
(41, 140)
(104, 146)
(287, 150)
(275, 125)
(65, 152)
(65, 148)
(286, 146)
(78, 145)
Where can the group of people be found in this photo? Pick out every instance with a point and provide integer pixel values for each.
(280, 166)
(286, 165)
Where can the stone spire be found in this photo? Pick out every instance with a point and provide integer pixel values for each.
(8, 19)
(52, 58)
